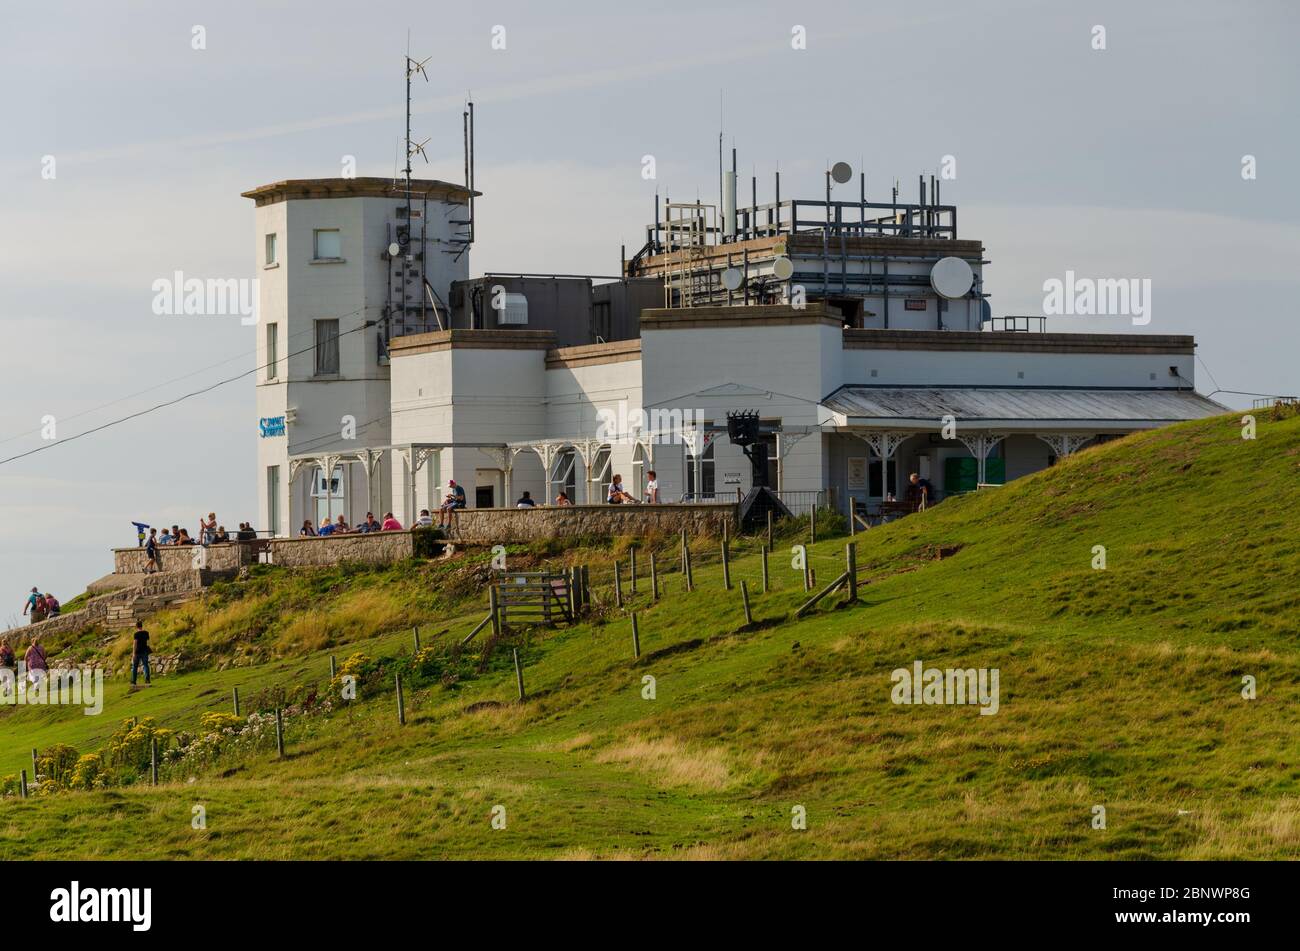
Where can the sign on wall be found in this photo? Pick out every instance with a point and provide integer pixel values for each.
(857, 473)
(731, 478)
(271, 426)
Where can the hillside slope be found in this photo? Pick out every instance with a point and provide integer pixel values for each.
(1120, 688)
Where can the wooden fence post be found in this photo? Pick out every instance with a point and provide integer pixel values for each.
(726, 566)
(35, 771)
(690, 581)
(765, 569)
(636, 638)
(401, 703)
(495, 610)
(334, 671)
(812, 523)
(807, 570)
(685, 548)
(744, 599)
(851, 566)
(632, 554)
(279, 734)
(153, 760)
(654, 579)
(769, 529)
(22, 783)
(415, 636)
(519, 673)
(618, 585)
(234, 693)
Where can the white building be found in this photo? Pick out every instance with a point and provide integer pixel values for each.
(862, 360)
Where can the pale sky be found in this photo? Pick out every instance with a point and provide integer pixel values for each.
(1122, 162)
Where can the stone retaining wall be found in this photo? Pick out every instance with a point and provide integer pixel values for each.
(372, 548)
(497, 526)
(230, 556)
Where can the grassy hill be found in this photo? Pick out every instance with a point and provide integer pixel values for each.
(1120, 688)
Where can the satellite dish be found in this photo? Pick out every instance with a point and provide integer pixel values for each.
(783, 268)
(841, 172)
(951, 278)
(732, 278)
(394, 250)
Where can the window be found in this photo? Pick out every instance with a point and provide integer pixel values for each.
(272, 357)
(273, 499)
(706, 474)
(564, 476)
(327, 347)
(600, 472)
(327, 245)
(270, 250)
(515, 310)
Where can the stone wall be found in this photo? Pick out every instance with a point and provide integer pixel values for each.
(230, 556)
(374, 548)
(95, 611)
(497, 526)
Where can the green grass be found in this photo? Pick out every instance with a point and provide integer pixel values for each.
(1119, 688)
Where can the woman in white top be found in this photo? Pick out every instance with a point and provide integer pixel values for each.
(652, 488)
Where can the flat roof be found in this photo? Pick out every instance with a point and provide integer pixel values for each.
(301, 188)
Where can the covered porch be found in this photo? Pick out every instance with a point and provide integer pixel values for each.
(962, 438)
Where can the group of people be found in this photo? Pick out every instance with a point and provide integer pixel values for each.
(371, 524)
(210, 533)
(617, 494)
(41, 606)
(34, 659)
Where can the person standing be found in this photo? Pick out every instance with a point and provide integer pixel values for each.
(37, 666)
(31, 604)
(652, 488)
(140, 653)
(151, 553)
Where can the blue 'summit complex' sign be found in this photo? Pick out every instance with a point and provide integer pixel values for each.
(271, 426)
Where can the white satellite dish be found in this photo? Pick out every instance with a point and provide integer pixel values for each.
(732, 278)
(783, 268)
(394, 249)
(841, 172)
(951, 278)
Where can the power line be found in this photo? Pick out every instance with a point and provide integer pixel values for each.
(207, 389)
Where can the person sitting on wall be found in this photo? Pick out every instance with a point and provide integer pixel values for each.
(390, 523)
(52, 606)
(246, 533)
(372, 523)
(176, 535)
(222, 535)
(454, 499)
(526, 501)
(166, 538)
(424, 521)
(326, 527)
(919, 491)
(563, 499)
(307, 531)
(616, 494)
(341, 526)
(185, 538)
